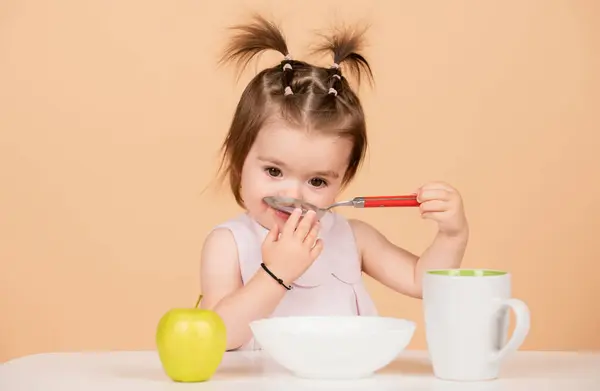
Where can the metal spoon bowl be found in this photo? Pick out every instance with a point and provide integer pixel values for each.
(288, 204)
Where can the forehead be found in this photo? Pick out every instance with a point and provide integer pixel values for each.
(302, 148)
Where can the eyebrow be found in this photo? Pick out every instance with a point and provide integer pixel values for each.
(325, 173)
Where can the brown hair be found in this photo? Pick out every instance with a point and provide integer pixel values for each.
(303, 94)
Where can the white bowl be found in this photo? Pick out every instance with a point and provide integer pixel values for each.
(337, 347)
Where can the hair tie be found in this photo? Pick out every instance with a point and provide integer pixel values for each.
(335, 65)
(332, 91)
(288, 90)
(338, 76)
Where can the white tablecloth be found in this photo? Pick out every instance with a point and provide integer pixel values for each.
(136, 371)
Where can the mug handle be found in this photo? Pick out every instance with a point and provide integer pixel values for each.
(521, 327)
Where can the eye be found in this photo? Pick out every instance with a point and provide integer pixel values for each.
(272, 171)
(318, 182)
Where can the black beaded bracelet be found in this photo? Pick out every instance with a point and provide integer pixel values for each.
(279, 280)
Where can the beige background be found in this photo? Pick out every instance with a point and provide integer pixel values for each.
(111, 115)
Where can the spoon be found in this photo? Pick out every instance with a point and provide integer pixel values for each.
(288, 204)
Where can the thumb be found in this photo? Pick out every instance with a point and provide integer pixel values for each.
(317, 249)
(273, 234)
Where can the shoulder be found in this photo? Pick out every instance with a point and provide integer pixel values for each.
(365, 235)
(223, 239)
(219, 251)
(362, 228)
(219, 267)
(359, 225)
(220, 239)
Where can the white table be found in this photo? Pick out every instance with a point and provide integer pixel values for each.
(136, 371)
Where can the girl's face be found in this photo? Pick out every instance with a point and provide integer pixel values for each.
(289, 162)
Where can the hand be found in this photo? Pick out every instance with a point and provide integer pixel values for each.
(289, 255)
(440, 202)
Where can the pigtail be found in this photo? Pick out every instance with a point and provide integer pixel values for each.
(345, 46)
(254, 38)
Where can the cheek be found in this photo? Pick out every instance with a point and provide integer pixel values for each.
(254, 187)
(323, 197)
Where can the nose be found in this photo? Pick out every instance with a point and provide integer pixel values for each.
(291, 191)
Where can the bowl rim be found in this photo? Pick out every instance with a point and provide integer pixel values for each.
(403, 326)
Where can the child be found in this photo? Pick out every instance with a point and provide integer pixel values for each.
(299, 131)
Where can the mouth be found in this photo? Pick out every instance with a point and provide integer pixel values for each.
(286, 215)
(278, 213)
(281, 214)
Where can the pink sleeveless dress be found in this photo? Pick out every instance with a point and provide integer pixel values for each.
(332, 285)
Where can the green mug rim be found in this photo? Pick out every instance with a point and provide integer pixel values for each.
(468, 272)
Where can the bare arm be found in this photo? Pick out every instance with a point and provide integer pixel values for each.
(399, 269)
(287, 255)
(225, 294)
(402, 270)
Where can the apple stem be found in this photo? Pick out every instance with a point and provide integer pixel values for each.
(199, 298)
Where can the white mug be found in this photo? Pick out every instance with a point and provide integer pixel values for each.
(466, 322)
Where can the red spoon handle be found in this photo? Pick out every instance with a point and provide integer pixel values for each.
(390, 201)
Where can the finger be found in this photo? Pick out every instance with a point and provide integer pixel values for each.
(305, 224)
(437, 185)
(316, 250)
(271, 237)
(435, 216)
(273, 234)
(311, 237)
(434, 206)
(433, 194)
(292, 222)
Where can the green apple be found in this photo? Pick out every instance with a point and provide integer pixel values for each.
(191, 343)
